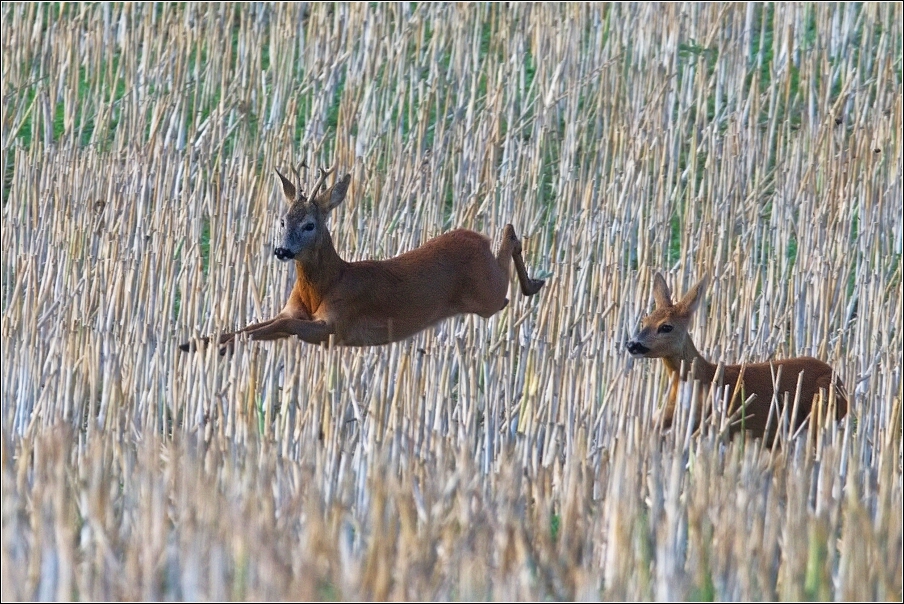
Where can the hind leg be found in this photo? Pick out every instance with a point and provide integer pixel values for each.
(484, 294)
(510, 249)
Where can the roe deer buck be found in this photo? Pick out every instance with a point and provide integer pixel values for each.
(380, 301)
(663, 334)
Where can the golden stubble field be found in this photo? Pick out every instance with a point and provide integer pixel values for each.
(513, 457)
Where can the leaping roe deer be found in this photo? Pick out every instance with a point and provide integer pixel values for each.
(379, 301)
(663, 334)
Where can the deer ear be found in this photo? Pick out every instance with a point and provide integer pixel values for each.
(333, 196)
(288, 188)
(661, 294)
(691, 299)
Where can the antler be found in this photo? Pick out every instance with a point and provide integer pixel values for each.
(322, 179)
(298, 192)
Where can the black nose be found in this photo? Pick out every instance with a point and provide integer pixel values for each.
(283, 254)
(637, 348)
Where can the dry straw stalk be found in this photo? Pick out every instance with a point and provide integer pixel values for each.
(514, 458)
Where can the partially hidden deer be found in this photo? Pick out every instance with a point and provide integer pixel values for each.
(379, 301)
(663, 334)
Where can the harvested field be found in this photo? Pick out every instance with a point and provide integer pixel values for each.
(509, 458)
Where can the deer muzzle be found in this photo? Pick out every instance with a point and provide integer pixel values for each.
(283, 253)
(636, 348)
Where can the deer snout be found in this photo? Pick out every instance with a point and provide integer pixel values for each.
(283, 253)
(636, 348)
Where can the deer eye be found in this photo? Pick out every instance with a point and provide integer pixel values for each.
(309, 226)
(665, 328)
(282, 223)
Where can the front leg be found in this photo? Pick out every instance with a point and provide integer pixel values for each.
(225, 339)
(313, 332)
(273, 329)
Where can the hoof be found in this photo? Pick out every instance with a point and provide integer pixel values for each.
(533, 287)
(194, 345)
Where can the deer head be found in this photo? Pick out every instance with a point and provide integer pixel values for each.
(303, 226)
(663, 333)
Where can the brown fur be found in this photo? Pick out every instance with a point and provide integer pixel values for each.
(677, 350)
(380, 301)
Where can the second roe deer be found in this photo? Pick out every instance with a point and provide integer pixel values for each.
(380, 301)
(663, 334)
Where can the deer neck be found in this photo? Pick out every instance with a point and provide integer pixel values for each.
(317, 271)
(692, 361)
